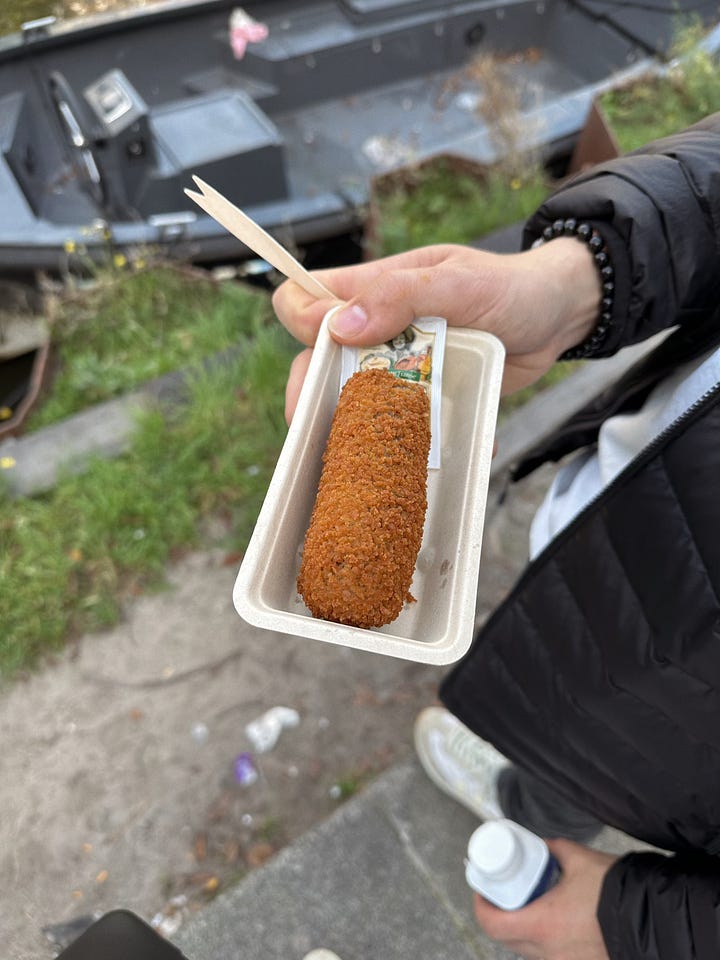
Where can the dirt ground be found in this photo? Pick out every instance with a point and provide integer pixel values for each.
(125, 762)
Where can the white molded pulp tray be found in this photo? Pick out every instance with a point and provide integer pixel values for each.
(438, 628)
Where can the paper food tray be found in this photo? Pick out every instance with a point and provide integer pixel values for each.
(438, 628)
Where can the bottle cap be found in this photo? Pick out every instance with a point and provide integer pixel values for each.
(493, 848)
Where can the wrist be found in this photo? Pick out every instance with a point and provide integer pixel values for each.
(574, 287)
(590, 236)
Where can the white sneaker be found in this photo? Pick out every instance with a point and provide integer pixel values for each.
(461, 764)
(321, 954)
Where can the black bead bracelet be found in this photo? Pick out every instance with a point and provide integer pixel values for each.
(589, 235)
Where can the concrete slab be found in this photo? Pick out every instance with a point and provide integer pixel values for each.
(358, 885)
(383, 877)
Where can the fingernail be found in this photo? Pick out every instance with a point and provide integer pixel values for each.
(348, 322)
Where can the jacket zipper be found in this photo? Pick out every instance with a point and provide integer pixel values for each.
(695, 410)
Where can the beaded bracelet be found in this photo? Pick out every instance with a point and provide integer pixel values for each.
(589, 235)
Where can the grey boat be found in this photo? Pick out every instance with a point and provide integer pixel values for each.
(288, 107)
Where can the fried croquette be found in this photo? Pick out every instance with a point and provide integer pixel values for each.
(367, 523)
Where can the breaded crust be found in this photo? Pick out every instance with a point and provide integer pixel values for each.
(366, 527)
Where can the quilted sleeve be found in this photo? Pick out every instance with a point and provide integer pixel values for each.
(657, 907)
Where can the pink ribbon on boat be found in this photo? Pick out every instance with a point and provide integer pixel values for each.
(245, 30)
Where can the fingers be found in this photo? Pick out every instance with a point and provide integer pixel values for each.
(506, 924)
(500, 925)
(302, 313)
(384, 296)
(531, 925)
(296, 377)
(486, 913)
(450, 289)
(396, 290)
(562, 922)
(299, 312)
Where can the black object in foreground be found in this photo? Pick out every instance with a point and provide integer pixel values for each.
(121, 935)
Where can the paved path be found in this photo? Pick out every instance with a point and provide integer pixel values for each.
(383, 879)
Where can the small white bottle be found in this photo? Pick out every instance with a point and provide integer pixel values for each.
(508, 865)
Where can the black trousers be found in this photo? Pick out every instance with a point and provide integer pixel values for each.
(530, 802)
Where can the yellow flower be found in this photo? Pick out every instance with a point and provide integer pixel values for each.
(120, 260)
(7, 463)
(515, 183)
(70, 246)
(5, 413)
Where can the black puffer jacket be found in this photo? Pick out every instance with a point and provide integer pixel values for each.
(601, 672)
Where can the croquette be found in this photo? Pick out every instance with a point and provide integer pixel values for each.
(367, 523)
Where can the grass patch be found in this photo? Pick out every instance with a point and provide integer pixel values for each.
(136, 325)
(655, 107)
(16, 12)
(438, 203)
(69, 559)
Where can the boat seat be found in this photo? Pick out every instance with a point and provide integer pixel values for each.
(222, 137)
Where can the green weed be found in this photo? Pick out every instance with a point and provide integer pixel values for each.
(18, 11)
(349, 784)
(137, 325)
(655, 107)
(69, 559)
(439, 204)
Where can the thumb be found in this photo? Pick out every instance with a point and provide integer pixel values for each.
(381, 311)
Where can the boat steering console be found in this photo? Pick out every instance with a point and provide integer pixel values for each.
(109, 129)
